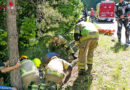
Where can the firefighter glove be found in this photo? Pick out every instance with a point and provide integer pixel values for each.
(77, 36)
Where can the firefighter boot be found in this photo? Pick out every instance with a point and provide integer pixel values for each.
(74, 56)
(82, 72)
(89, 68)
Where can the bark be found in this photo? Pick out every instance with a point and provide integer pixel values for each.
(13, 45)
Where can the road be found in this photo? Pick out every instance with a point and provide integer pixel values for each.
(110, 25)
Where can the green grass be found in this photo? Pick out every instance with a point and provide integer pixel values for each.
(111, 68)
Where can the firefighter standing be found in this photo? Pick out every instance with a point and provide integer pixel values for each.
(87, 36)
(122, 18)
(60, 42)
(29, 72)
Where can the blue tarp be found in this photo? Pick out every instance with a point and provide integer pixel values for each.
(5, 87)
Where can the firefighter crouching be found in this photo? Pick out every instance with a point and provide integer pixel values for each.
(60, 42)
(55, 70)
(122, 8)
(87, 36)
(29, 72)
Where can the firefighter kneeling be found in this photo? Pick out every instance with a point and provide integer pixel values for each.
(55, 70)
(29, 72)
(87, 36)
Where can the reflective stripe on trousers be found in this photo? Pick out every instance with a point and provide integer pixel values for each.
(89, 61)
(81, 65)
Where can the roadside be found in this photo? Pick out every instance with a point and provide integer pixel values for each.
(110, 69)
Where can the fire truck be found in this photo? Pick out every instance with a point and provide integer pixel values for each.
(105, 11)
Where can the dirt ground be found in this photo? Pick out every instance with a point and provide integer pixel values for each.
(76, 82)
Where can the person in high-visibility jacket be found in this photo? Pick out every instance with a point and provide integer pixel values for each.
(60, 42)
(87, 36)
(29, 72)
(55, 70)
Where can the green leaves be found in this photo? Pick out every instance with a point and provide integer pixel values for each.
(28, 32)
(3, 43)
(3, 36)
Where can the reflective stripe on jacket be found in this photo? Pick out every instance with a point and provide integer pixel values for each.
(27, 67)
(56, 67)
(54, 73)
(90, 35)
(88, 31)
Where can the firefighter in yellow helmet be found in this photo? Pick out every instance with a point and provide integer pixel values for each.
(29, 72)
(87, 36)
(61, 42)
(55, 70)
(37, 62)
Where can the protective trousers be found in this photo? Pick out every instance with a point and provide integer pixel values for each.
(54, 78)
(127, 32)
(86, 49)
(30, 78)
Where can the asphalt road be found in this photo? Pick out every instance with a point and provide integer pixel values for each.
(110, 25)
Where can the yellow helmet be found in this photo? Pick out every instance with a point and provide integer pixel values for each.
(37, 62)
(23, 57)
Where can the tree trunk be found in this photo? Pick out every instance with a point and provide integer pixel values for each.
(13, 43)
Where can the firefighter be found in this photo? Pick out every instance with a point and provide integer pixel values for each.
(29, 72)
(37, 62)
(87, 36)
(60, 42)
(122, 18)
(55, 70)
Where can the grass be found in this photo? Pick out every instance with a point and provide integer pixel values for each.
(111, 68)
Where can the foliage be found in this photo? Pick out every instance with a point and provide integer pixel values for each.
(90, 3)
(59, 16)
(3, 43)
(2, 14)
(3, 33)
(28, 33)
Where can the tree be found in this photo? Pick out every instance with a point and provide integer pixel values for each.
(13, 43)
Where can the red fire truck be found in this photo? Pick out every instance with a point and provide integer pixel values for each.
(105, 11)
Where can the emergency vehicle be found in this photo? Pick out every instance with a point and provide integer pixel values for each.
(105, 11)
